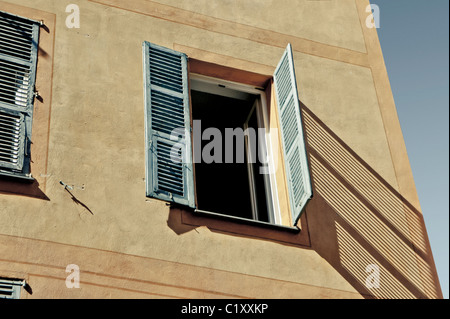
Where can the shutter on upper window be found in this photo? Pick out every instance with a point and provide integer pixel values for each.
(18, 59)
(294, 150)
(169, 169)
(10, 288)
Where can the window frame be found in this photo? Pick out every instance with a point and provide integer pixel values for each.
(261, 107)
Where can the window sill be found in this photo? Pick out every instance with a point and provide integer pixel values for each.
(247, 221)
(17, 176)
(182, 218)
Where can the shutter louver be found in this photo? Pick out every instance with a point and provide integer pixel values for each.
(10, 288)
(18, 59)
(169, 170)
(14, 84)
(11, 139)
(294, 150)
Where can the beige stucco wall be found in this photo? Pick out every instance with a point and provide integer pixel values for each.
(96, 144)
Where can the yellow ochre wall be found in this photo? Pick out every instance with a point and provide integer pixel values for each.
(88, 132)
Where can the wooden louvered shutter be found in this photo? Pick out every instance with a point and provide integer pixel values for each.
(295, 156)
(169, 169)
(10, 288)
(18, 59)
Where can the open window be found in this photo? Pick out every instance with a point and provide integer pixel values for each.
(231, 150)
(207, 140)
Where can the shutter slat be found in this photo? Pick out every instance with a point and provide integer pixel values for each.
(12, 157)
(10, 288)
(161, 63)
(169, 115)
(12, 282)
(284, 85)
(20, 94)
(294, 150)
(169, 102)
(13, 41)
(162, 58)
(12, 50)
(173, 67)
(166, 69)
(13, 65)
(17, 21)
(16, 86)
(289, 123)
(168, 78)
(6, 288)
(23, 51)
(167, 112)
(169, 176)
(9, 149)
(12, 132)
(13, 29)
(158, 81)
(20, 38)
(16, 25)
(10, 85)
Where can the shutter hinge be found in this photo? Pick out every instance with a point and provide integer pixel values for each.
(65, 185)
(151, 147)
(27, 143)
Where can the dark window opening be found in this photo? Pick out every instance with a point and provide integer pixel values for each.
(236, 188)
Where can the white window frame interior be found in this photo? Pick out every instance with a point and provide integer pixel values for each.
(238, 90)
(251, 176)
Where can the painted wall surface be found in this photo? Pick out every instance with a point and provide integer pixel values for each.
(89, 133)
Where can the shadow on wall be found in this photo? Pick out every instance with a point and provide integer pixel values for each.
(358, 220)
(11, 186)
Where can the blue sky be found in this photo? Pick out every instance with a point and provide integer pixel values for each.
(414, 37)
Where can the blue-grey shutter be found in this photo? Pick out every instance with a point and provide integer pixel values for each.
(294, 150)
(19, 39)
(10, 288)
(169, 169)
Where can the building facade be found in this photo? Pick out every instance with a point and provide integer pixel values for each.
(91, 206)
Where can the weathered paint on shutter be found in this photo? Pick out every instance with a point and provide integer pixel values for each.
(19, 39)
(294, 150)
(169, 169)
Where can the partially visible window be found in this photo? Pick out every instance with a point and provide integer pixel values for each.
(19, 39)
(10, 288)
